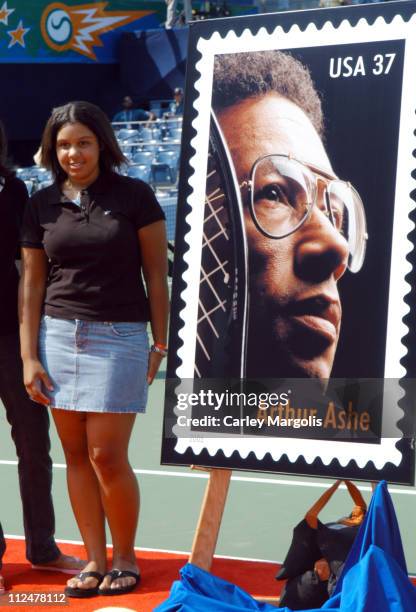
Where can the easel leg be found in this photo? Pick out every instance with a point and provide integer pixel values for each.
(206, 535)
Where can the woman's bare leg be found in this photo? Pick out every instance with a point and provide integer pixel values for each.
(108, 438)
(84, 491)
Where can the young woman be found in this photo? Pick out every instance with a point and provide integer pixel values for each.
(86, 241)
(29, 422)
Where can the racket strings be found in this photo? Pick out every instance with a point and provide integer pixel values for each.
(215, 292)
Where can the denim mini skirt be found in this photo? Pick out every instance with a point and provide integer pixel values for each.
(95, 366)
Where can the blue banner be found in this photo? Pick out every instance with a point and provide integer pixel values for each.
(50, 32)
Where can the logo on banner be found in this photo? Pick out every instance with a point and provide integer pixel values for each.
(17, 36)
(5, 13)
(78, 28)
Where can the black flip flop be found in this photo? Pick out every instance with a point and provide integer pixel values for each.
(81, 593)
(114, 575)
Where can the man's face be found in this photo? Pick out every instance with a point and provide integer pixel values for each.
(295, 310)
(127, 102)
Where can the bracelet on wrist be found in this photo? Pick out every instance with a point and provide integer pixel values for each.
(164, 347)
(156, 348)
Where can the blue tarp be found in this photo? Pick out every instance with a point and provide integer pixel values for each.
(374, 577)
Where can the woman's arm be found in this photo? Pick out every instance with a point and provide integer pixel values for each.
(31, 295)
(153, 246)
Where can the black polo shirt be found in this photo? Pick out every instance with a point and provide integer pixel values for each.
(93, 250)
(13, 195)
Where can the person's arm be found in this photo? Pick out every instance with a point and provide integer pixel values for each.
(153, 246)
(31, 295)
(144, 116)
(311, 516)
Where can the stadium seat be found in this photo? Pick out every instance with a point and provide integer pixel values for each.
(157, 133)
(143, 157)
(168, 156)
(162, 175)
(129, 150)
(175, 134)
(41, 174)
(146, 134)
(175, 123)
(24, 173)
(150, 146)
(171, 146)
(140, 171)
(125, 135)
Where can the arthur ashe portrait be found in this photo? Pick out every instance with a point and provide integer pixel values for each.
(298, 160)
(305, 226)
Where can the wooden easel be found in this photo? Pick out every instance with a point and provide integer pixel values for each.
(209, 523)
(210, 517)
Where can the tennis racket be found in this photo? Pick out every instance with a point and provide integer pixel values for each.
(223, 289)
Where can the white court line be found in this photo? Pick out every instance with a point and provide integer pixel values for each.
(185, 553)
(169, 552)
(276, 481)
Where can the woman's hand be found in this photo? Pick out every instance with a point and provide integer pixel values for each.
(34, 376)
(155, 359)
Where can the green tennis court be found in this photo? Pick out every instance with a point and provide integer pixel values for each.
(260, 513)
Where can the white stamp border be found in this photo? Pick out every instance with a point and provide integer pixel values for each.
(295, 38)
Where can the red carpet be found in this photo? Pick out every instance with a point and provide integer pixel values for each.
(158, 570)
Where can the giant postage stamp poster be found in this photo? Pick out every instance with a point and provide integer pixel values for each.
(292, 321)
